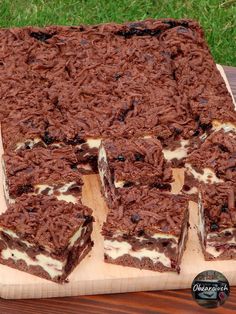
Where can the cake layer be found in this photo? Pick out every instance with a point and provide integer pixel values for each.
(44, 236)
(48, 171)
(141, 229)
(42, 265)
(217, 221)
(214, 162)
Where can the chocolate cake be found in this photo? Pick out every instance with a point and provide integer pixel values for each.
(217, 221)
(45, 237)
(79, 85)
(49, 171)
(213, 162)
(150, 92)
(146, 229)
(130, 162)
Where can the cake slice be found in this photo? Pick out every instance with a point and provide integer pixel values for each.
(18, 134)
(217, 221)
(131, 162)
(48, 171)
(45, 237)
(214, 162)
(146, 229)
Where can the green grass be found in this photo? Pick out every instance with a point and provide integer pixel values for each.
(218, 18)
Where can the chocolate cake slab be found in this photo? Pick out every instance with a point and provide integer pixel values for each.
(217, 221)
(123, 86)
(214, 162)
(45, 237)
(146, 229)
(197, 77)
(130, 162)
(48, 171)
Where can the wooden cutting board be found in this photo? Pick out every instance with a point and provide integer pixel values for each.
(93, 276)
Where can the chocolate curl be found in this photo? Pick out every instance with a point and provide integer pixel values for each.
(231, 205)
(231, 199)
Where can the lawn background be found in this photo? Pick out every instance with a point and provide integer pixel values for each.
(218, 18)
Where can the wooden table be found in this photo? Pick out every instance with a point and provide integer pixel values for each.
(158, 302)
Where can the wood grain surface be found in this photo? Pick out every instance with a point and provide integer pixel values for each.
(159, 302)
(178, 301)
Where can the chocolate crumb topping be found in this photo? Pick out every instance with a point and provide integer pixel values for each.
(149, 210)
(139, 161)
(64, 89)
(216, 201)
(45, 221)
(51, 166)
(217, 153)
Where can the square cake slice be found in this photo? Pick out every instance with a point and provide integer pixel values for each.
(146, 229)
(214, 162)
(217, 221)
(48, 171)
(132, 162)
(45, 237)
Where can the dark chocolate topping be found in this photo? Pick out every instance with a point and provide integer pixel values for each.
(139, 78)
(219, 206)
(44, 221)
(147, 210)
(218, 153)
(138, 161)
(52, 166)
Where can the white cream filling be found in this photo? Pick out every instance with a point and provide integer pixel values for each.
(212, 250)
(5, 186)
(30, 143)
(160, 236)
(76, 236)
(85, 167)
(226, 126)
(208, 176)
(64, 197)
(93, 142)
(155, 236)
(147, 136)
(178, 153)
(218, 235)
(119, 184)
(52, 266)
(14, 236)
(115, 249)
